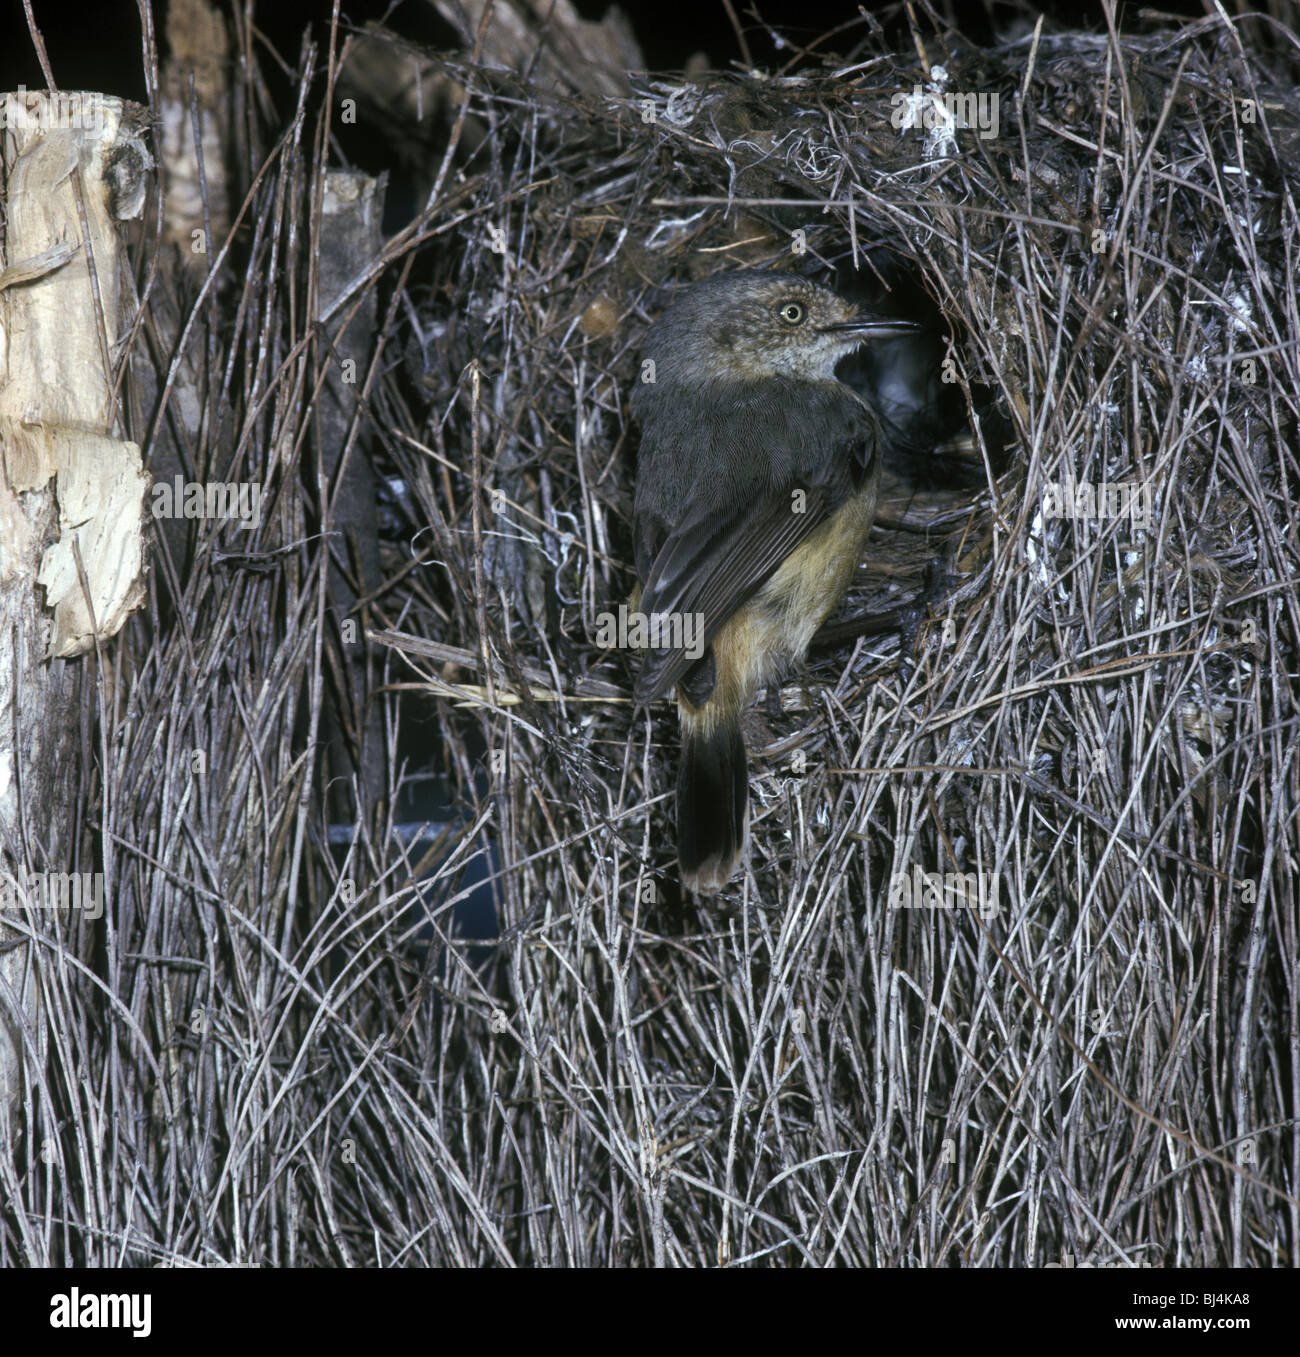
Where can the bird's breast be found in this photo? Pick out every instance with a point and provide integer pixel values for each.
(806, 587)
(760, 641)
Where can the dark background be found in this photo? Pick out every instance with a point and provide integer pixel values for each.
(96, 46)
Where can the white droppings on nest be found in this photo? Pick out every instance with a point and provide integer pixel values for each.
(489, 308)
(1036, 536)
(1243, 313)
(962, 752)
(927, 111)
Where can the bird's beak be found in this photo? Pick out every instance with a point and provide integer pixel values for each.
(869, 326)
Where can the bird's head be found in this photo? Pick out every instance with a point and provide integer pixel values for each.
(759, 325)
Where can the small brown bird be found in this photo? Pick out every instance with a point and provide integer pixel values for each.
(755, 491)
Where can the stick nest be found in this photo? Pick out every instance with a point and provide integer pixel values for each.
(302, 1056)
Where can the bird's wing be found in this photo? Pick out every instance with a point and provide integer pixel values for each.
(710, 567)
(780, 460)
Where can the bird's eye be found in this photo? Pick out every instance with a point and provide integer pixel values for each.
(793, 313)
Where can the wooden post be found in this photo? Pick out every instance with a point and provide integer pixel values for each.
(71, 495)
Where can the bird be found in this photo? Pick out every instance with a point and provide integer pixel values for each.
(756, 483)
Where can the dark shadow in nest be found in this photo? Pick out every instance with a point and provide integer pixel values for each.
(928, 443)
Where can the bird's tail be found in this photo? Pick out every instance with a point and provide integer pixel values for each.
(712, 802)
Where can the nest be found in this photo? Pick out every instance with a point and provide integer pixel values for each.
(841, 1060)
